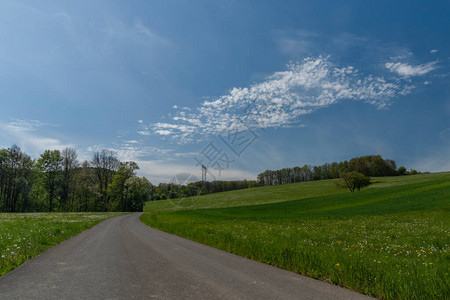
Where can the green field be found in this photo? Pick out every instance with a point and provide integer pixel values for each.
(25, 235)
(391, 240)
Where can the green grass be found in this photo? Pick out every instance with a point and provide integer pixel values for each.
(272, 194)
(390, 241)
(253, 196)
(25, 235)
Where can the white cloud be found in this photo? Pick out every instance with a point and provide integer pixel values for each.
(434, 51)
(25, 133)
(407, 70)
(281, 99)
(127, 151)
(163, 132)
(25, 125)
(142, 132)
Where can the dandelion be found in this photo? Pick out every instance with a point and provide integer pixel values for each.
(337, 265)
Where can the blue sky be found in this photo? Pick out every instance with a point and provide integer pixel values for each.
(242, 86)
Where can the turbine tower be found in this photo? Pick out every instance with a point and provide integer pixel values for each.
(204, 170)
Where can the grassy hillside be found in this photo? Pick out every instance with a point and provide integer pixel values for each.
(251, 196)
(391, 240)
(273, 194)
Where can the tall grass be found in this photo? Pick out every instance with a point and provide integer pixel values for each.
(23, 236)
(390, 241)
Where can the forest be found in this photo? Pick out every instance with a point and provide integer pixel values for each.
(58, 181)
(370, 166)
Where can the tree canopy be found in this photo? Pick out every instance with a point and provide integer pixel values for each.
(57, 181)
(370, 165)
(355, 181)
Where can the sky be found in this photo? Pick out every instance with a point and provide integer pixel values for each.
(237, 86)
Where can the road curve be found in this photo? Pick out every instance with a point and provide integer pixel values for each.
(121, 258)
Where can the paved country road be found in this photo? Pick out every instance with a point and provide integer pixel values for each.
(121, 258)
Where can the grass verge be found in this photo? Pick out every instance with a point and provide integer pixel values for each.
(25, 235)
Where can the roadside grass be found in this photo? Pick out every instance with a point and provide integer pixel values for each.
(25, 235)
(390, 241)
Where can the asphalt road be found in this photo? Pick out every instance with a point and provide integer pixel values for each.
(121, 258)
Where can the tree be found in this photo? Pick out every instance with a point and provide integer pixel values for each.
(50, 166)
(137, 192)
(86, 189)
(105, 164)
(70, 165)
(117, 187)
(16, 178)
(401, 170)
(355, 180)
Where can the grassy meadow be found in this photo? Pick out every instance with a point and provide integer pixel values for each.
(391, 240)
(25, 235)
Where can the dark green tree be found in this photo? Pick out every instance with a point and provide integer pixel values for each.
(355, 180)
(401, 170)
(16, 179)
(116, 189)
(50, 166)
(137, 192)
(105, 164)
(70, 166)
(86, 189)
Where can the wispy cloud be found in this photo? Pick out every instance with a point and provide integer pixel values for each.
(133, 151)
(281, 99)
(405, 69)
(136, 33)
(345, 45)
(16, 125)
(26, 134)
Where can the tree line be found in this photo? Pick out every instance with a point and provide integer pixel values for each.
(58, 181)
(171, 191)
(370, 166)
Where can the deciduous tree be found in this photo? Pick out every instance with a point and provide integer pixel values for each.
(50, 166)
(355, 180)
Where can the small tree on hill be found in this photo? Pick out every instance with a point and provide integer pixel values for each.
(355, 180)
(401, 170)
